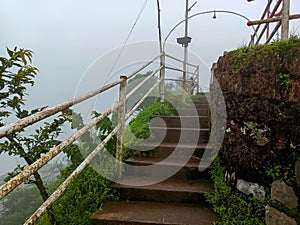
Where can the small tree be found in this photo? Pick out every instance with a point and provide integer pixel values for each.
(16, 75)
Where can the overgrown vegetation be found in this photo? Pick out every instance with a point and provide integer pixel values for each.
(233, 207)
(85, 194)
(242, 58)
(139, 126)
(16, 75)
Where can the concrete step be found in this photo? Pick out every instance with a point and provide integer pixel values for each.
(143, 213)
(201, 105)
(175, 167)
(189, 112)
(202, 99)
(181, 121)
(181, 135)
(165, 149)
(170, 190)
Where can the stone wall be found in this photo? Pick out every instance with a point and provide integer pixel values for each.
(261, 88)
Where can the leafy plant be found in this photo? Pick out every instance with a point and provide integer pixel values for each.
(232, 206)
(82, 198)
(284, 79)
(16, 75)
(139, 126)
(274, 172)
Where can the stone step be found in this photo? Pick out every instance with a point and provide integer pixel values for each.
(192, 112)
(201, 105)
(168, 168)
(181, 135)
(163, 150)
(142, 213)
(170, 190)
(180, 121)
(202, 99)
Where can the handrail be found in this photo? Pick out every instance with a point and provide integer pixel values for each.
(144, 66)
(141, 101)
(174, 79)
(179, 70)
(31, 169)
(57, 193)
(118, 130)
(179, 60)
(31, 119)
(143, 82)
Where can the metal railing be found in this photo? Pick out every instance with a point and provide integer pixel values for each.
(120, 107)
(269, 16)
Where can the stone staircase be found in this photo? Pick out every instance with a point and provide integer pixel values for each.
(177, 199)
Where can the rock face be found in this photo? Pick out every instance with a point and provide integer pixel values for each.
(261, 88)
(284, 194)
(275, 217)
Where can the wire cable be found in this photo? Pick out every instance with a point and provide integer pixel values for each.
(125, 43)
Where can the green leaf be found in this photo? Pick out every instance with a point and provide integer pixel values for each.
(10, 52)
(23, 58)
(2, 84)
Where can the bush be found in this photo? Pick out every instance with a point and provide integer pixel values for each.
(140, 125)
(233, 207)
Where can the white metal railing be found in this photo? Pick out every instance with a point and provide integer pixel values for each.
(118, 130)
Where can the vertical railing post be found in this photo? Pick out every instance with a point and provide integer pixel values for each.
(285, 19)
(198, 80)
(121, 121)
(162, 77)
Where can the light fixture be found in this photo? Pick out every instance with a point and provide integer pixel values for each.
(215, 15)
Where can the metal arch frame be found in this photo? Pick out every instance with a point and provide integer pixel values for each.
(203, 13)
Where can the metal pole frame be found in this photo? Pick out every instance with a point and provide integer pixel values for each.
(162, 77)
(121, 121)
(185, 53)
(285, 19)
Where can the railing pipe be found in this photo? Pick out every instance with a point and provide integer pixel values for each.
(57, 193)
(177, 69)
(142, 83)
(274, 19)
(29, 170)
(143, 67)
(29, 120)
(181, 61)
(140, 102)
(174, 79)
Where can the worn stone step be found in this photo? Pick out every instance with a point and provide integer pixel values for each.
(181, 135)
(170, 190)
(143, 213)
(202, 98)
(180, 121)
(202, 105)
(165, 149)
(167, 168)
